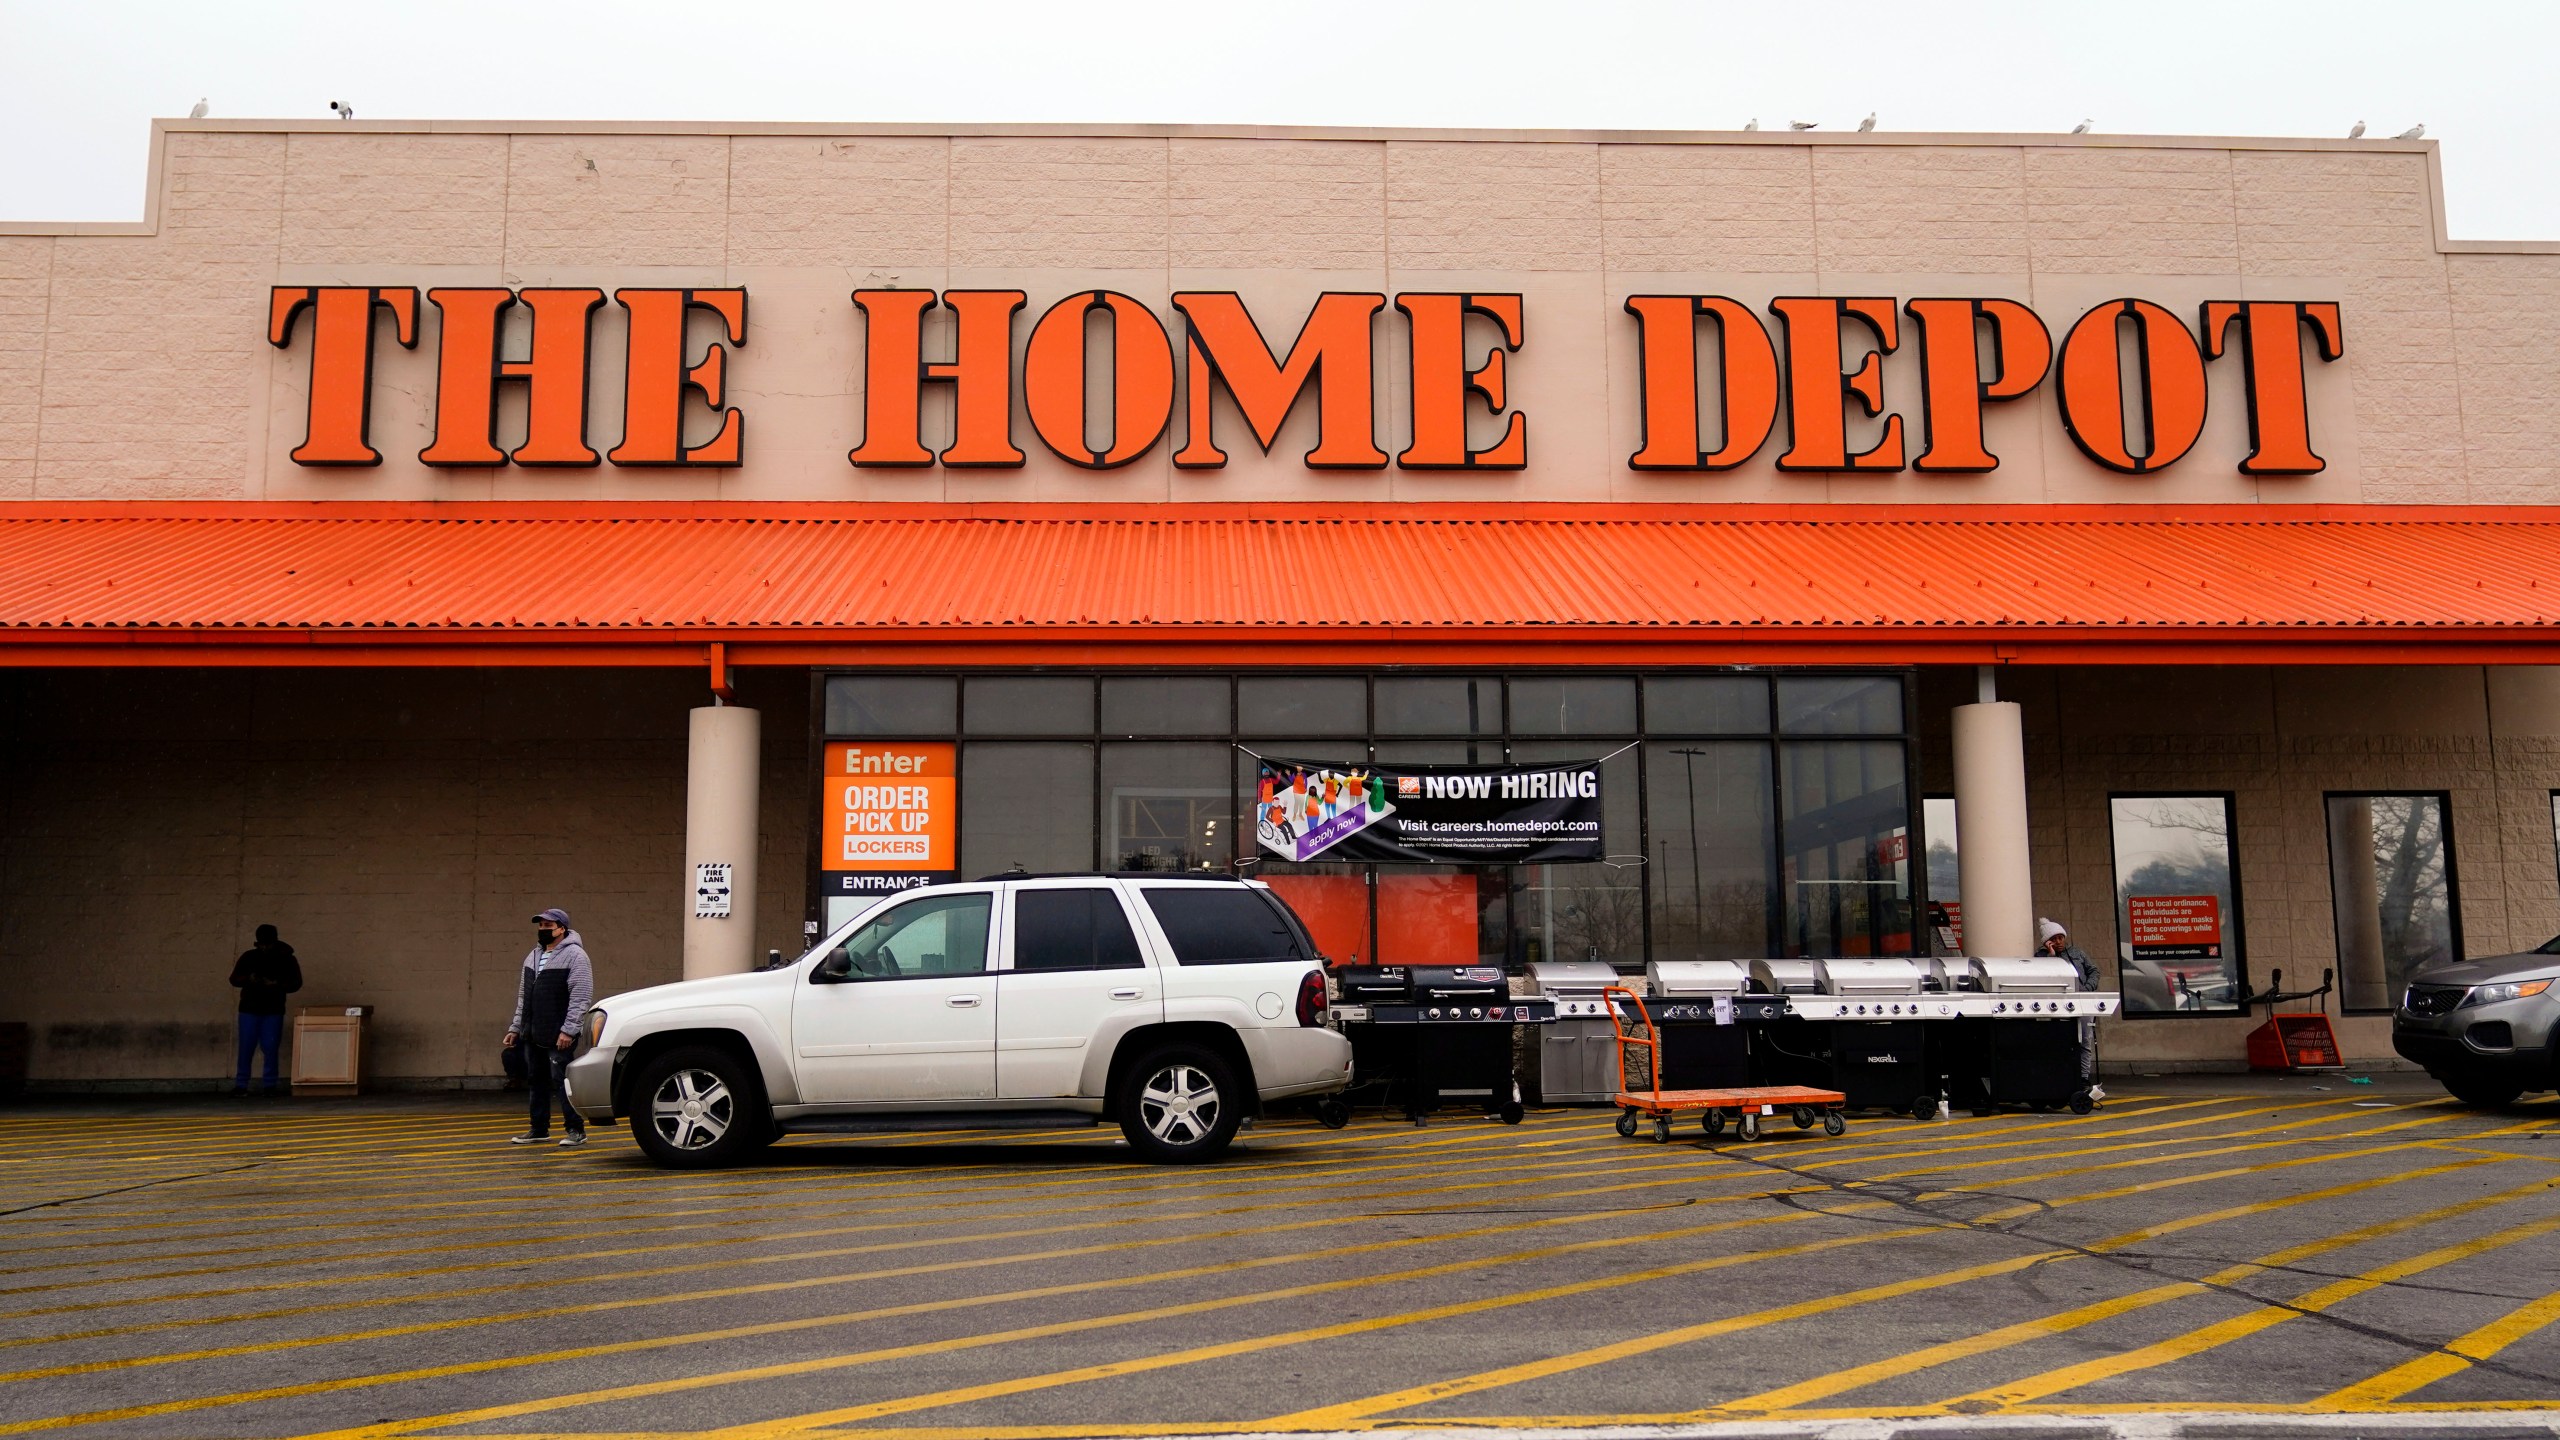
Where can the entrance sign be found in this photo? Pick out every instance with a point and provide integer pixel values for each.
(2129, 378)
(889, 813)
(1430, 814)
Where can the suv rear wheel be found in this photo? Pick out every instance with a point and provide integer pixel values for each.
(2477, 1090)
(698, 1107)
(1181, 1103)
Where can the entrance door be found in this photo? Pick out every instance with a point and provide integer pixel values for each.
(903, 1011)
(1074, 980)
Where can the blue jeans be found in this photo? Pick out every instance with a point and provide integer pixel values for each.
(259, 1032)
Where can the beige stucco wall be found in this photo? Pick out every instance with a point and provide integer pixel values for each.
(2277, 738)
(134, 366)
(397, 826)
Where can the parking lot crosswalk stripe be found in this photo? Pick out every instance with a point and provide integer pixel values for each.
(1556, 1365)
(2458, 1355)
(2238, 1327)
(1796, 1396)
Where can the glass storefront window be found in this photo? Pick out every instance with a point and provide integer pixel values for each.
(1165, 705)
(2177, 911)
(2391, 888)
(1942, 878)
(1839, 705)
(892, 705)
(1027, 805)
(1167, 807)
(1845, 837)
(1332, 900)
(1711, 860)
(1585, 912)
(1707, 704)
(1030, 705)
(1434, 705)
(1574, 705)
(1302, 705)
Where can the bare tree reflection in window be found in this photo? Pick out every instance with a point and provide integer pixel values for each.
(2391, 887)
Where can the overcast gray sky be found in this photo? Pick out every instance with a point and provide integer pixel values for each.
(79, 82)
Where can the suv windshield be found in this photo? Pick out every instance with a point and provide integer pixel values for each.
(2548, 947)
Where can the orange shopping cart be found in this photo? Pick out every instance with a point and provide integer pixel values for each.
(1640, 1092)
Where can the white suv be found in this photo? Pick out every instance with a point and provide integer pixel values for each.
(1174, 1005)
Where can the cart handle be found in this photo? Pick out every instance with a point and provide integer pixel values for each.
(1651, 1039)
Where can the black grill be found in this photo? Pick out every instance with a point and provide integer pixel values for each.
(2433, 999)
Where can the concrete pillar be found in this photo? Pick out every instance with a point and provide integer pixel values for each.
(1991, 814)
(723, 774)
(2364, 980)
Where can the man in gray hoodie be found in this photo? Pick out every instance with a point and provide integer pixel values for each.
(552, 995)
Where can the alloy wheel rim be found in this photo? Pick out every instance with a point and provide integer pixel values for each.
(692, 1109)
(1179, 1105)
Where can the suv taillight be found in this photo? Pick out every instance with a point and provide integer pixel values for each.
(1311, 998)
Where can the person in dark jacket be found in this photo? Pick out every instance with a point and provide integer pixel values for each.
(552, 995)
(2053, 940)
(265, 973)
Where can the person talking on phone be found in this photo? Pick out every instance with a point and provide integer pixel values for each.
(552, 994)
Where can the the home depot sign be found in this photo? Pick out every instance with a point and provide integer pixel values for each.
(1719, 378)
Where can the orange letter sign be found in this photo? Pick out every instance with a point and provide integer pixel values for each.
(1747, 398)
(469, 372)
(980, 372)
(1332, 352)
(341, 362)
(1951, 385)
(2271, 359)
(1442, 383)
(2168, 378)
(655, 378)
(1054, 380)
(1817, 421)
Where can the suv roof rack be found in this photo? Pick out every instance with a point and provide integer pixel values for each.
(1219, 875)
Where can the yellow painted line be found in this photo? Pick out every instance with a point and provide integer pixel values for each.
(1336, 1415)
(2458, 1355)
(1796, 1396)
(777, 1327)
(2072, 1377)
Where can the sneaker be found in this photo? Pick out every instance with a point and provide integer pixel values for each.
(529, 1138)
(573, 1138)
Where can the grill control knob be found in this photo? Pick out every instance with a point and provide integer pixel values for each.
(1435, 1012)
(1999, 1007)
(1475, 1013)
(2068, 1005)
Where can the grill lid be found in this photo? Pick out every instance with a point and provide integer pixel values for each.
(2029, 975)
(1572, 977)
(1868, 977)
(1696, 977)
(1785, 977)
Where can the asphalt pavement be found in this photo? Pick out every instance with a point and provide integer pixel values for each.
(2232, 1256)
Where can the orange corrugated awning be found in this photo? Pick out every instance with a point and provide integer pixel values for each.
(632, 583)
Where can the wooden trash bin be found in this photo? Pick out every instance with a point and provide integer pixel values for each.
(328, 1048)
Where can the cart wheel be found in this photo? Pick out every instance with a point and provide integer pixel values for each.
(1924, 1108)
(1713, 1123)
(1804, 1117)
(1627, 1124)
(1750, 1125)
(1832, 1124)
(1334, 1112)
(1661, 1129)
(2081, 1104)
(1513, 1112)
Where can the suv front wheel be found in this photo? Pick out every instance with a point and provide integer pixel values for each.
(1181, 1104)
(2477, 1089)
(699, 1108)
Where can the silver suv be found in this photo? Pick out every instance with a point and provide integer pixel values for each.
(2487, 1030)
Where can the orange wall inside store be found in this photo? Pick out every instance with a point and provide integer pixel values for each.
(1334, 908)
(1427, 919)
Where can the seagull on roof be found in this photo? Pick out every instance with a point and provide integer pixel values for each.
(2414, 132)
(1802, 124)
(2080, 129)
(344, 111)
(1867, 124)
(2356, 133)
(1752, 124)
(197, 113)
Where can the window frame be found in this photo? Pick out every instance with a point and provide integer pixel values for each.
(2234, 927)
(864, 921)
(2452, 889)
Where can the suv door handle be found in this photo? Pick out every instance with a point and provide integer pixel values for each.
(961, 1002)
(1131, 993)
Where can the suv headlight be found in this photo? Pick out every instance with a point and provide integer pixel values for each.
(594, 1031)
(2508, 990)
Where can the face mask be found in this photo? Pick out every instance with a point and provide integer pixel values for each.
(547, 937)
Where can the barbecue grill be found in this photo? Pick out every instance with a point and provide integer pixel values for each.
(1578, 1054)
(1424, 1033)
(2018, 1041)
(1705, 1013)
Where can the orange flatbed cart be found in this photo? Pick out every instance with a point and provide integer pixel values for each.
(1640, 1091)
